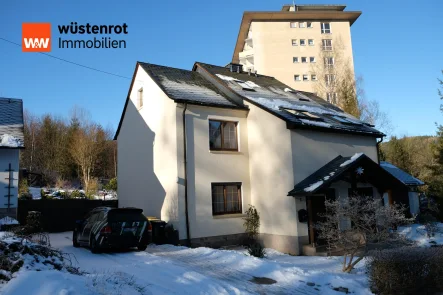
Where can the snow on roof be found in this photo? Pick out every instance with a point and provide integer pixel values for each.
(352, 159)
(314, 186)
(8, 220)
(315, 123)
(8, 140)
(401, 175)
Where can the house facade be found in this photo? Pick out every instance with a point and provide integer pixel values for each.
(11, 141)
(195, 148)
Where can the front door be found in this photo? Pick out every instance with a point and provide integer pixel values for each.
(316, 207)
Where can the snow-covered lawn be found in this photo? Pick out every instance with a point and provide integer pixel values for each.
(169, 269)
(417, 233)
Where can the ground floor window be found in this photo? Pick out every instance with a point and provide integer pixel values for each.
(226, 198)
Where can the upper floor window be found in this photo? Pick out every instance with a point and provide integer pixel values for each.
(325, 28)
(140, 98)
(329, 62)
(223, 135)
(294, 42)
(301, 25)
(304, 59)
(326, 44)
(293, 24)
(311, 42)
(329, 79)
(296, 77)
(295, 59)
(312, 59)
(305, 78)
(309, 24)
(331, 97)
(226, 198)
(313, 77)
(302, 42)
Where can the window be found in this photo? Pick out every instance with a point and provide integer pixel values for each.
(304, 59)
(311, 42)
(326, 44)
(305, 78)
(223, 135)
(302, 42)
(329, 79)
(313, 77)
(331, 97)
(296, 77)
(312, 59)
(329, 62)
(301, 25)
(293, 24)
(294, 42)
(140, 98)
(309, 25)
(226, 198)
(295, 59)
(325, 28)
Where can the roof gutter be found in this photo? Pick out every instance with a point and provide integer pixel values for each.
(188, 235)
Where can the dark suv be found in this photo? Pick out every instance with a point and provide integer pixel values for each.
(106, 227)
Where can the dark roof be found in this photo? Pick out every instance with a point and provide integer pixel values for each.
(188, 86)
(335, 169)
(401, 175)
(11, 123)
(281, 100)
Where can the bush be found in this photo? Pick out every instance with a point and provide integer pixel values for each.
(23, 187)
(429, 221)
(256, 249)
(112, 185)
(404, 271)
(76, 194)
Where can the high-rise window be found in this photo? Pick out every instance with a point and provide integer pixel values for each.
(304, 59)
(314, 77)
(301, 25)
(296, 77)
(294, 42)
(329, 62)
(293, 24)
(311, 42)
(329, 79)
(312, 59)
(309, 24)
(331, 97)
(295, 59)
(302, 42)
(305, 78)
(326, 44)
(325, 28)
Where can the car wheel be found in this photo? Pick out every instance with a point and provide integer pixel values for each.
(142, 247)
(75, 242)
(94, 247)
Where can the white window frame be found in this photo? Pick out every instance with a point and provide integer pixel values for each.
(301, 24)
(331, 97)
(294, 42)
(312, 59)
(329, 79)
(307, 78)
(140, 98)
(295, 78)
(311, 42)
(293, 25)
(313, 77)
(323, 28)
(303, 41)
(309, 25)
(326, 47)
(328, 64)
(295, 59)
(306, 60)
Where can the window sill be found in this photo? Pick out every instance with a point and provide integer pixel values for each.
(238, 215)
(226, 152)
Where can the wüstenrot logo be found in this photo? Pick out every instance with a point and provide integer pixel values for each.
(36, 37)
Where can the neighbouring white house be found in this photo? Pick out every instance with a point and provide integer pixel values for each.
(11, 141)
(195, 148)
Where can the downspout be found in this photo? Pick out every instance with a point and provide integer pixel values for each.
(188, 236)
(378, 149)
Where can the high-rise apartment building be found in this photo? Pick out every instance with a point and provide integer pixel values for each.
(304, 46)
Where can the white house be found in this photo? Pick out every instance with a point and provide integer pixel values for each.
(11, 141)
(195, 148)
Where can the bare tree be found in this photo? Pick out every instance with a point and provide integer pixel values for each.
(89, 142)
(371, 113)
(358, 223)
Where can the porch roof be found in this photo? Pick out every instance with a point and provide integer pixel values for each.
(359, 168)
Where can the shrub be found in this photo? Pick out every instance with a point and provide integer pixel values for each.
(112, 185)
(252, 222)
(76, 194)
(43, 194)
(23, 187)
(256, 249)
(407, 270)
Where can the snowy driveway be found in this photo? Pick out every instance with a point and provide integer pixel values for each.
(179, 270)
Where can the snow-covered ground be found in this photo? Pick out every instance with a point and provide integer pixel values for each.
(36, 193)
(169, 269)
(417, 233)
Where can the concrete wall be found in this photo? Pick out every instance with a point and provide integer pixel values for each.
(8, 156)
(273, 50)
(313, 149)
(206, 167)
(147, 154)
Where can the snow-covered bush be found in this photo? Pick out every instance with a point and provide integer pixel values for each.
(407, 270)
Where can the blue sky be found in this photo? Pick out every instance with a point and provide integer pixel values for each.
(398, 49)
